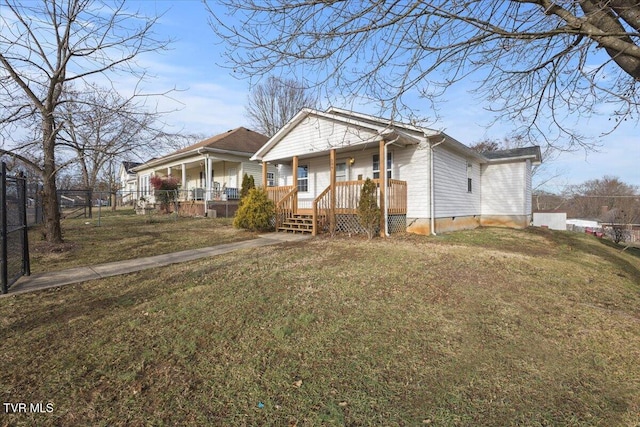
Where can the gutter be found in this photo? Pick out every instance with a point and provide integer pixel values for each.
(432, 184)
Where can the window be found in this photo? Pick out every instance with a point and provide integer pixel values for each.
(341, 171)
(303, 178)
(469, 179)
(271, 179)
(145, 185)
(376, 165)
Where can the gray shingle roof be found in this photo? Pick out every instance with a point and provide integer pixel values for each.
(514, 153)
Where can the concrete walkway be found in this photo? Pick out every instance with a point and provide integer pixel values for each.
(82, 274)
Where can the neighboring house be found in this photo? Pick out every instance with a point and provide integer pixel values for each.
(128, 183)
(428, 181)
(208, 170)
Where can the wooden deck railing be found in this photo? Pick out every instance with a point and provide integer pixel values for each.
(322, 211)
(397, 197)
(347, 198)
(275, 194)
(285, 207)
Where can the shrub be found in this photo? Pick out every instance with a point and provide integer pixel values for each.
(247, 184)
(368, 210)
(165, 190)
(256, 212)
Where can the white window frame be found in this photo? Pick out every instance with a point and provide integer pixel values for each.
(303, 182)
(341, 175)
(376, 165)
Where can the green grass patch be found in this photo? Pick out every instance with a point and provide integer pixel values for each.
(533, 329)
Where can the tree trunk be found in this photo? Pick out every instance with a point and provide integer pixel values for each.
(52, 230)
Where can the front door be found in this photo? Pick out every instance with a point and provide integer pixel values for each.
(232, 180)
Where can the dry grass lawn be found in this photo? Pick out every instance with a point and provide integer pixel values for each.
(488, 327)
(120, 235)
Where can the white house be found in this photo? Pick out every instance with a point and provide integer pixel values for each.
(209, 170)
(428, 183)
(128, 182)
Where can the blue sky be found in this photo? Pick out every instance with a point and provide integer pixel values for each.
(211, 100)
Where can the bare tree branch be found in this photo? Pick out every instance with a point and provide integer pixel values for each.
(273, 103)
(541, 64)
(49, 44)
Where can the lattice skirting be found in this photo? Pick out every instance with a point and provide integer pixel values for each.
(348, 223)
(397, 223)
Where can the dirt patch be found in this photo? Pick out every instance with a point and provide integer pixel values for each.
(52, 248)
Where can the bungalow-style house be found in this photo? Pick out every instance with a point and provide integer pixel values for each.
(210, 170)
(428, 182)
(128, 183)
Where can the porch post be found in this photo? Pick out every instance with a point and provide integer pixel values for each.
(208, 169)
(264, 176)
(332, 168)
(295, 183)
(383, 176)
(168, 170)
(184, 180)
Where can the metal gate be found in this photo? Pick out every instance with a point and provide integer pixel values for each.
(14, 244)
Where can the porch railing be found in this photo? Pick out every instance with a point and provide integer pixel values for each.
(285, 207)
(321, 212)
(348, 197)
(397, 197)
(276, 194)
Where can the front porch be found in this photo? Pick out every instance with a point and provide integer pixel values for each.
(336, 208)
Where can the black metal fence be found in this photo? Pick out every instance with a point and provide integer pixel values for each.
(14, 243)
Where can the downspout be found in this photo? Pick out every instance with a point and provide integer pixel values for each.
(432, 185)
(385, 182)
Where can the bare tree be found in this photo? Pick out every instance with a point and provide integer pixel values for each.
(542, 63)
(100, 126)
(273, 103)
(45, 46)
(486, 145)
(596, 198)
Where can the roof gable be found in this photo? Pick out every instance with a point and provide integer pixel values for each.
(364, 129)
(130, 165)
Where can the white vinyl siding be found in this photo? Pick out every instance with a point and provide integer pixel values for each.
(252, 169)
(452, 197)
(503, 189)
(527, 189)
(411, 164)
(316, 135)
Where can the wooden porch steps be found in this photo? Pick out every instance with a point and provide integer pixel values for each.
(298, 223)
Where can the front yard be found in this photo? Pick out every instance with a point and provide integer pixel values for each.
(121, 235)
(486, 327)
